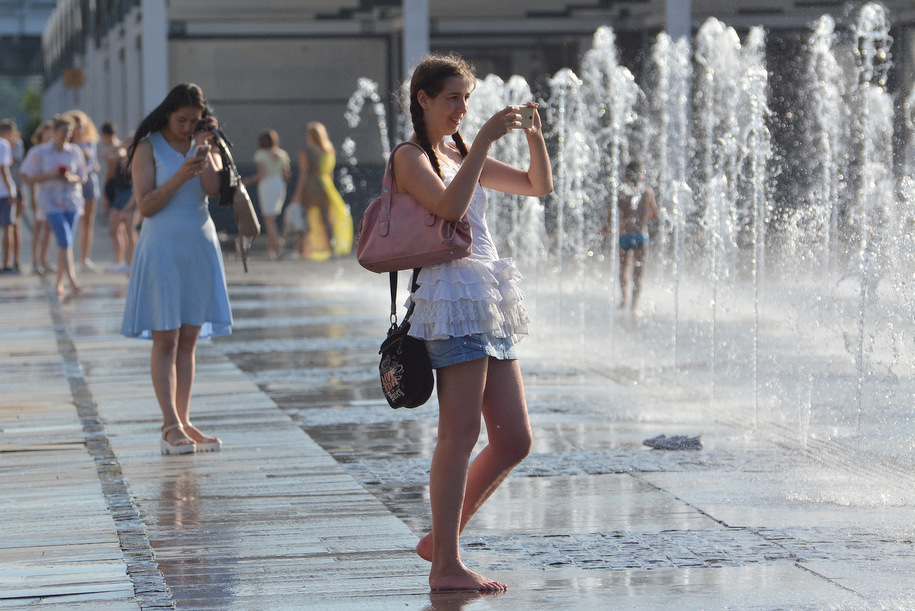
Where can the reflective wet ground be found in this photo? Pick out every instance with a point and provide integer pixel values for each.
(321, 490)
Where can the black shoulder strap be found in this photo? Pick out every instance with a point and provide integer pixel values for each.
(413, 286)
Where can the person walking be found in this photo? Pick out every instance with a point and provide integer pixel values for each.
(330, 225)
(117, 200)
(177, 291)
(468, 311)
(58, 168)
(85, 136)
(636, 206)
(41, 233)
(12, 241)
(271, 178)
(8, 206)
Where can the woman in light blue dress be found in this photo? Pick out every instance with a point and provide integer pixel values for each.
(177, 290)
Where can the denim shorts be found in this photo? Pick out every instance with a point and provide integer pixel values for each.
(6, 210)
(455, 350)
(61, 223)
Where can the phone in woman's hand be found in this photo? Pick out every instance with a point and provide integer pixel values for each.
(201, 151)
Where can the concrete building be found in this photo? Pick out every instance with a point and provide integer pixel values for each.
(21, 25)
(282, 63)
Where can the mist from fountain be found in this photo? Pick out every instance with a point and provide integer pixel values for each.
(791, 320)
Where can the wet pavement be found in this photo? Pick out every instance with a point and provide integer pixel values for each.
(321, 490)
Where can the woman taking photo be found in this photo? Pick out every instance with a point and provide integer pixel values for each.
(468, 311)
(177, 291)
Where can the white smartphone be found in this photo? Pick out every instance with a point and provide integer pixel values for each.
(201, 151)
(527, 116)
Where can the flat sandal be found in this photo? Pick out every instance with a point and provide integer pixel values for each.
(179, 448)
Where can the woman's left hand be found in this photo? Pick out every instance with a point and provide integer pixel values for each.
(205, 134)
(538, 125)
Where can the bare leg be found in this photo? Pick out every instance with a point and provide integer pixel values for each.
(638, 266)
(7, 233)
(510, 439)
(45, 246)
(66, 269)
(117, 237)
(185, 370)
(87, 222)
(164, 371)
(37, 230)
(625, 255)
(328, 226)
(61, 271)
(15, 243)
(273, 240)
(460, 394)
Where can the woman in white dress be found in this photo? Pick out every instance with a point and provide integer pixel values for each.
(468, 311)
(271, 178)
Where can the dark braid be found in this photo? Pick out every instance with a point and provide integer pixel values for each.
(459, 141)
(419, 129)
(430, 76)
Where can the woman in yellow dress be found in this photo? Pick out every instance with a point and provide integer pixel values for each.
(330, 224)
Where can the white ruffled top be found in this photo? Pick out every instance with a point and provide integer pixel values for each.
(476, 294)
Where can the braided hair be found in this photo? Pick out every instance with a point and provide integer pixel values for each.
(430, 76)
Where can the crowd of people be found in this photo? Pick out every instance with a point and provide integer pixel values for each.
(56, 182)
(70, 168)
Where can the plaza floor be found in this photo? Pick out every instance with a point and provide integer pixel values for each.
(320, 492)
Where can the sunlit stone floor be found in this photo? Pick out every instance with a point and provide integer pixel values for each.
(321, 490)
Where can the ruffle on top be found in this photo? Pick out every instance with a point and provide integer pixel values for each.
(466, 296)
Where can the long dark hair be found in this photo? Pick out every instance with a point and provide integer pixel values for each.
(430, 76)
(186, 95)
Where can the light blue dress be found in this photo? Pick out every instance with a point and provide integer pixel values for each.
(178, 276)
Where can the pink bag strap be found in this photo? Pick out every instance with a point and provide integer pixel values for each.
(388, 186)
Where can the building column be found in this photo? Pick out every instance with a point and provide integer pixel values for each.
(415, 33)
(153, 53)
(679, 19)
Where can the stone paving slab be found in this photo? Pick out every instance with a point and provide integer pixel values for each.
(321, 490)
(58, 540)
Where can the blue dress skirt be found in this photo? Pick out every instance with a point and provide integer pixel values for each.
(178, 276)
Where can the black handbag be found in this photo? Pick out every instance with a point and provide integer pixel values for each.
(406, 373)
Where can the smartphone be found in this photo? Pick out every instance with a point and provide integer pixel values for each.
(527, 116)
(201, 151)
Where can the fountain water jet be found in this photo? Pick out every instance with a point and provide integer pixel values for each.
(789, 319)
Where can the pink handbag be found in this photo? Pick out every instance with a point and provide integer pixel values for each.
(398, 233)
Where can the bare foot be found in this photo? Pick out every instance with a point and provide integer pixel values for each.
(462, 578)
(61, 293)
(424, 548)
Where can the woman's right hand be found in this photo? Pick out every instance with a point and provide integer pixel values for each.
(193, 166)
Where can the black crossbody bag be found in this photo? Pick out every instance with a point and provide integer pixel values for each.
(406, 373)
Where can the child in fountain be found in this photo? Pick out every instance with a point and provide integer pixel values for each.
(636, 205)
(468, 311)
